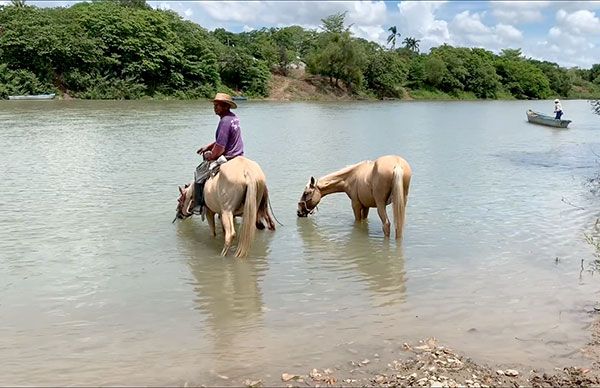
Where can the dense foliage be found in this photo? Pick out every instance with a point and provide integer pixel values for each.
(124, 49)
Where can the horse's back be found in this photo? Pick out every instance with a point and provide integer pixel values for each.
(236, 169)
(386, 164)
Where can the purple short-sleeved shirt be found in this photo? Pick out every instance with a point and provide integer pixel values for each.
(229, 136)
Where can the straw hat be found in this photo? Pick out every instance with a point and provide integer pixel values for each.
(226, 98)
(556, 100)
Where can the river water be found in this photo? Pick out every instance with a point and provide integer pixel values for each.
(99, 287)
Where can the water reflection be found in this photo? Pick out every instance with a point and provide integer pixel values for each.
(228, 291)
(376, 261)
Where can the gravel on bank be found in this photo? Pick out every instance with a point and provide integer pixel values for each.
(428, 364)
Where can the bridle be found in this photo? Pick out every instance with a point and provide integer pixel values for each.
(179, 211)
(306, 209)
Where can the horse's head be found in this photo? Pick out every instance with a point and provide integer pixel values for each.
(185, 202)
(310, 199)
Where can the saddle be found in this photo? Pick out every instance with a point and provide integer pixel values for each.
(204, 172)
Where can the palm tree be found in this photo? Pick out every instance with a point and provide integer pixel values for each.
(18, 3)
(411, 44)
(392, 38)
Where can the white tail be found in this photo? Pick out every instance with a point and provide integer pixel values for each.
(249, 217)
(398, 203)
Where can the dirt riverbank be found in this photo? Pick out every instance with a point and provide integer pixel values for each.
(430, 364)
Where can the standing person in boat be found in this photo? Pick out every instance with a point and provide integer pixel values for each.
(557, 109)
(227, 145)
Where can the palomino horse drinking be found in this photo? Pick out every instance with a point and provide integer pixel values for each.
(368, 184)
(239, 189)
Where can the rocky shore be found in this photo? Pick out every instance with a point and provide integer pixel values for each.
(429, 364)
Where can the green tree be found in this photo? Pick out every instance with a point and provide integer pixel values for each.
(435, 70)
(337, 55)
(594, 74)
(386, 73)
(522, 79)
(334, 23)
(482, 80)
(240, 71)
(455, 73)
(18, 3)
(391, 40)
(416, 72)
(411, 44)
(560, 82)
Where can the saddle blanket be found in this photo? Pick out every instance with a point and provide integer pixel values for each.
(204, 171)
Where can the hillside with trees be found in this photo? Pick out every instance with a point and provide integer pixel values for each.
(124, 49)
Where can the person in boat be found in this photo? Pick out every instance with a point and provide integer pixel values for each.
(228, 144)
(557, 109)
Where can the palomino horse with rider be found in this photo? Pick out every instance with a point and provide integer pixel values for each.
(238, 189)
(368, 184)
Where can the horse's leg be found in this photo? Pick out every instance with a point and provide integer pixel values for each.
(384, 219)
(357, 208)
(263, 212)
(365, 213)
(228, 227)
(210, 217)
(222, 225)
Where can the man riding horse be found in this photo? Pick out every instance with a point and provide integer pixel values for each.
(239, 188)
(228, 139)
(228, 143)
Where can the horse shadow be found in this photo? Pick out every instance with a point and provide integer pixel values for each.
(228, 291)
(378, 261)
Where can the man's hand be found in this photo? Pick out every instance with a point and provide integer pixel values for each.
(207, 155)
(201, 150)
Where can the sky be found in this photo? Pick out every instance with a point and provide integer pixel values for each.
(564, 32)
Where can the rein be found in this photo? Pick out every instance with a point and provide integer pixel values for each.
(271, 207)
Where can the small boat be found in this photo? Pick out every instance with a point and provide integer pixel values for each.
(239, 98)
(33, 97)
(538, 118)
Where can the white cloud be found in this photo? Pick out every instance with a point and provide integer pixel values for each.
(188, 13)
(467, 23)
(165, 6)
(571, 6)
(516, 12)
(468, 29)
(260, 13)
(372, 33)
(418, 19)
(508, 33)
(579, 22)
(570, 42)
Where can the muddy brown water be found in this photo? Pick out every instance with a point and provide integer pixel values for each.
(98, 287)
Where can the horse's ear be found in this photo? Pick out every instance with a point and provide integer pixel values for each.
(180, 190)
(313, 181)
